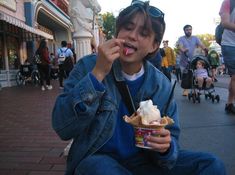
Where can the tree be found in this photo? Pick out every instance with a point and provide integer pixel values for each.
(108, 24)
(206, 39)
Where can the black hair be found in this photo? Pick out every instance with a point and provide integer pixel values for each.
(187, 26)
(157, 24)
(43, 44)
(63, 43)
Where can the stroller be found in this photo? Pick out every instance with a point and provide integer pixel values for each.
(194, 95)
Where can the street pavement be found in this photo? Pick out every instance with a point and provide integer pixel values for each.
(29, 146)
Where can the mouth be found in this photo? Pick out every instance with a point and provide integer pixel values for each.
(128, 49)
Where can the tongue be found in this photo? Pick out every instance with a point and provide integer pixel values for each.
(128, 51)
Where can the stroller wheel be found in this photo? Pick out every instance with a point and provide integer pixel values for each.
(194, 98)
(212, 98)
(198, 98)
(189, 96)
(217, 97)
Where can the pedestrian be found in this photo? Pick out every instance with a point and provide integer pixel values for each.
(187, 45)
(44, 65)
(170, 55)
(65, 62)
(177, 70)
(90, 110)
(168, 60)
(228, 48)
(214, 60)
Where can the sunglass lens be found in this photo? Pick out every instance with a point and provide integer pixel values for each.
(155, 12)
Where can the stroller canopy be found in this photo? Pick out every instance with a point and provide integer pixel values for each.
(193, 63)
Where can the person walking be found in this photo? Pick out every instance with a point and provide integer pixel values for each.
(228, 48)
(187, 45)
(90, 110)
(44, 65)
(168, 61)
(177, 69)
(214, 60)
(65, 62)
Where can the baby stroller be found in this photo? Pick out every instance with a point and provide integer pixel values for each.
(208, 92)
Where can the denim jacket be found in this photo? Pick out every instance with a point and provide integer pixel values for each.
(87, 115)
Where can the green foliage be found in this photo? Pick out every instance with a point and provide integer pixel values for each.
(108, 24)
(206, 38)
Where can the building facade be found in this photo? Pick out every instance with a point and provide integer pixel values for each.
(23, 23)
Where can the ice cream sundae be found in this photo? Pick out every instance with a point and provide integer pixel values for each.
(145, 120)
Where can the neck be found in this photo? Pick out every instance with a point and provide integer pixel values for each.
(131, 68)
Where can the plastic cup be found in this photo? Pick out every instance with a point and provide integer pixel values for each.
(140, 136)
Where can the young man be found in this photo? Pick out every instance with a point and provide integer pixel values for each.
(228, 49)
(65, 62)
(187, 44)
(91, 109)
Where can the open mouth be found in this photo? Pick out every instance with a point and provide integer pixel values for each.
(128, 49)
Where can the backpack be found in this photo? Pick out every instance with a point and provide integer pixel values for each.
(219, 28)
(65, 61)
(62, 56)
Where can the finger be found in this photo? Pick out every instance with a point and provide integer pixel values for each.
(162, 132)
(159, 147)
(159, 139)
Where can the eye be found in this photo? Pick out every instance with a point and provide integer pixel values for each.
(128, 26)
(144, 33)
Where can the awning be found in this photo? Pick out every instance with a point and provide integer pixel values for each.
(18, 23)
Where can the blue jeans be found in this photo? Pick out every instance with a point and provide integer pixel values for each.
(188, 163)
(228, 53)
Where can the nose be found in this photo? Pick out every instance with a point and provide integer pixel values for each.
(133, 34)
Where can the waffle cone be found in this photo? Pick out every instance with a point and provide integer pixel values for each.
(135, 121)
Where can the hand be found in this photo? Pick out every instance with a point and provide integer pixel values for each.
(160, 140)
(206, 51)
(107, 53)
(186, 52)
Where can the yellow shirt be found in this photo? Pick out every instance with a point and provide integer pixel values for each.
(170, 56)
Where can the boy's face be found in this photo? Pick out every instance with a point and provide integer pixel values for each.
(138, 41)
(199, 64)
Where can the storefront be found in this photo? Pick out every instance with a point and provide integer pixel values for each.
(22, 26)
(14, 50)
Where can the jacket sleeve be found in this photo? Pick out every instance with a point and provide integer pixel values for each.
(76, 107)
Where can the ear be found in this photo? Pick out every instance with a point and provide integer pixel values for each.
(154, 47)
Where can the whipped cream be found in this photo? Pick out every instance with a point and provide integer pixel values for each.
(149, 113)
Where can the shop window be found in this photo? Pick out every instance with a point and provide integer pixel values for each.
(13, 58)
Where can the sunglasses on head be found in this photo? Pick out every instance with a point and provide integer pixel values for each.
(153, 11)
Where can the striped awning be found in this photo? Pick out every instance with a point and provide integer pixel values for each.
(16, 22)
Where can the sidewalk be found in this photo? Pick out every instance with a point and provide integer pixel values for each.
(28, 145)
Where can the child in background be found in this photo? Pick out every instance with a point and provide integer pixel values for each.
(201, 75)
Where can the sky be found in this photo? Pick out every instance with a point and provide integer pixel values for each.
(201, 14)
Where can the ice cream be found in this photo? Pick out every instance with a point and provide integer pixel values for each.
(148, 116)
(149, 113)
(145, 121)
